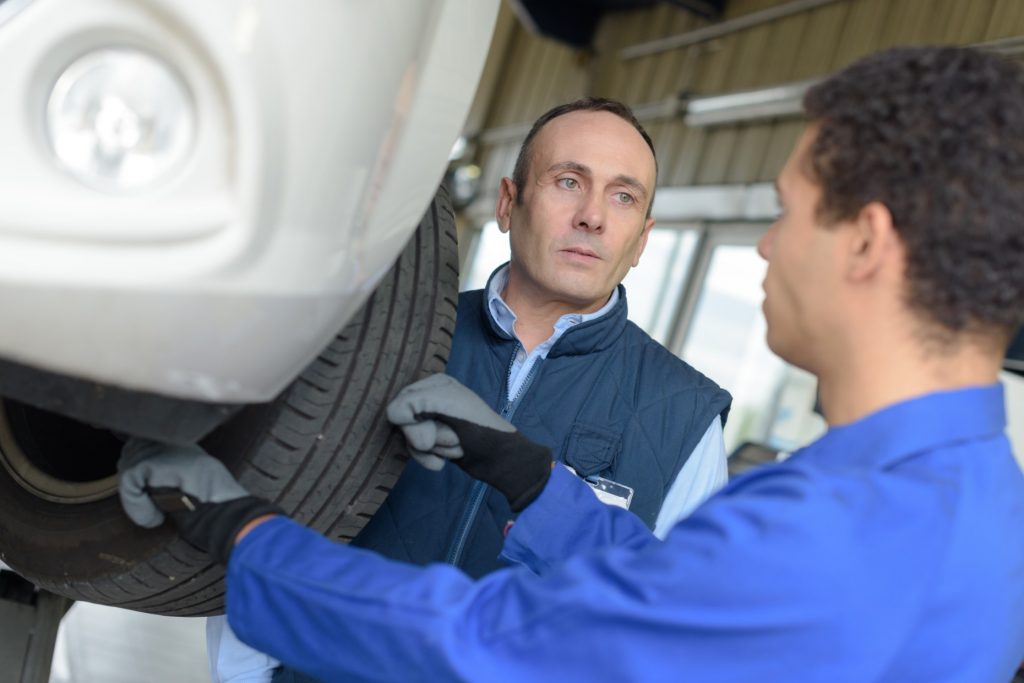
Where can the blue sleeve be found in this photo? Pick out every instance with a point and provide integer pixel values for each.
(725, 581)
(568, 519)
(704, 472)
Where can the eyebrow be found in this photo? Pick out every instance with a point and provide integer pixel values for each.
(574, 166)
(627, 180)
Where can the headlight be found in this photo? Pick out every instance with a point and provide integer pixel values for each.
(120, 119)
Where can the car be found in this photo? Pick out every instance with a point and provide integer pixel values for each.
(221, 224)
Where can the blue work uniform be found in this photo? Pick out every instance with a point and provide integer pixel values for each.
(606, 398)
(888, 550)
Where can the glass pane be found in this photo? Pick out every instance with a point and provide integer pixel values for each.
(773, 402)
(489, 252)
(1014, 385)
(654, 287)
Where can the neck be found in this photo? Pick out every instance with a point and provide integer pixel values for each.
(884, 374)
(536, 315)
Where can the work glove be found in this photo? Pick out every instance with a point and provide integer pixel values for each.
(443, 420)
(194, 489)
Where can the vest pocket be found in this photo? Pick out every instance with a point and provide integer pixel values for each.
(591, 450)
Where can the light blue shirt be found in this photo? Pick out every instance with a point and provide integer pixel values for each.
(705, 471)
(231, 660)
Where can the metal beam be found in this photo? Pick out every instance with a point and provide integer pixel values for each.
(786, 100)
(778, 101)
(737, 203)
(1004, 46)
(724, 28)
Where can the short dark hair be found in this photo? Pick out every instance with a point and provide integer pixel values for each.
(936, 134)
(522, 167)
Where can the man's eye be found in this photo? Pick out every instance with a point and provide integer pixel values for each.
(568, 183)
(625, 197)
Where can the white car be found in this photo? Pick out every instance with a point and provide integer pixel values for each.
(201, 207)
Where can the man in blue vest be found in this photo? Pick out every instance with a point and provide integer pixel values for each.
(894, 274)
(547, 344)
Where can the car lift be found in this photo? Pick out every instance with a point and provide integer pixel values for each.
(29, 619)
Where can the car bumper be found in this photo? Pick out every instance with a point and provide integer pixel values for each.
(321, 135)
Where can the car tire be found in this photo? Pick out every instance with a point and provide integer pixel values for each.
(322, 449)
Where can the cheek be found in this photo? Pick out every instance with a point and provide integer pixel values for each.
(530, 250)
(630, 250)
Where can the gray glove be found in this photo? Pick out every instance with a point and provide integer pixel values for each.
(443, 420)
(430, 442)
(148, 465)
(208, 506)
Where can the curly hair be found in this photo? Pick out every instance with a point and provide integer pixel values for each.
(936, 134)
(522, 167)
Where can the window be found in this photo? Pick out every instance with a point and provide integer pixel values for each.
(489, 250)
(723, 336)
(654, 288)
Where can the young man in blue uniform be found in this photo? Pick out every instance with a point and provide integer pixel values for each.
(894, 275)
(548, 345)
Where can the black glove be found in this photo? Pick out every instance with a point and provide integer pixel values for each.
(443, 420)
(196, 491)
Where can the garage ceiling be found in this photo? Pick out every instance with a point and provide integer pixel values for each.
(573, 22)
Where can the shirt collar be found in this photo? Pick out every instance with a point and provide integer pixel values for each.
(505, 317)
(915, 425)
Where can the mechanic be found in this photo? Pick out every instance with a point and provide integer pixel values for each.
(548, 345)
(894, 276)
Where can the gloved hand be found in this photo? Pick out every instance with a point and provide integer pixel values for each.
(201, 497)
(443, 420)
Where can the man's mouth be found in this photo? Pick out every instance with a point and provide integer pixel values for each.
(582, 251)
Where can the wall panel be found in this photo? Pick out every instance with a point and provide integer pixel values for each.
(540, 73)
(1006, 19)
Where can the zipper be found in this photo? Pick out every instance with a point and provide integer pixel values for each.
(479, 489)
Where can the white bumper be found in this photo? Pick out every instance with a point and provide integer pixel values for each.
(323, 129)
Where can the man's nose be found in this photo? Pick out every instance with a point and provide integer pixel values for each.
(590, 214)
(764, 245)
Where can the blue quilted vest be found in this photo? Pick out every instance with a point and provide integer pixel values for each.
(608, 400)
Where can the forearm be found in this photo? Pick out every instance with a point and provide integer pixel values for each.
(338, 612)
(627, 613)
(568, 519)
(342, 613)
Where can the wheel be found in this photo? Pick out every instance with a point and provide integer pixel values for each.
(322, 449)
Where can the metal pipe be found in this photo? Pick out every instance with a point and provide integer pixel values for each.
(774, 102)
(706, 33)
(1004, 46)
(786, 100)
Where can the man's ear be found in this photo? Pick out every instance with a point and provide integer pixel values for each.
(648, 224)
(506, 199)
(872, 242)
